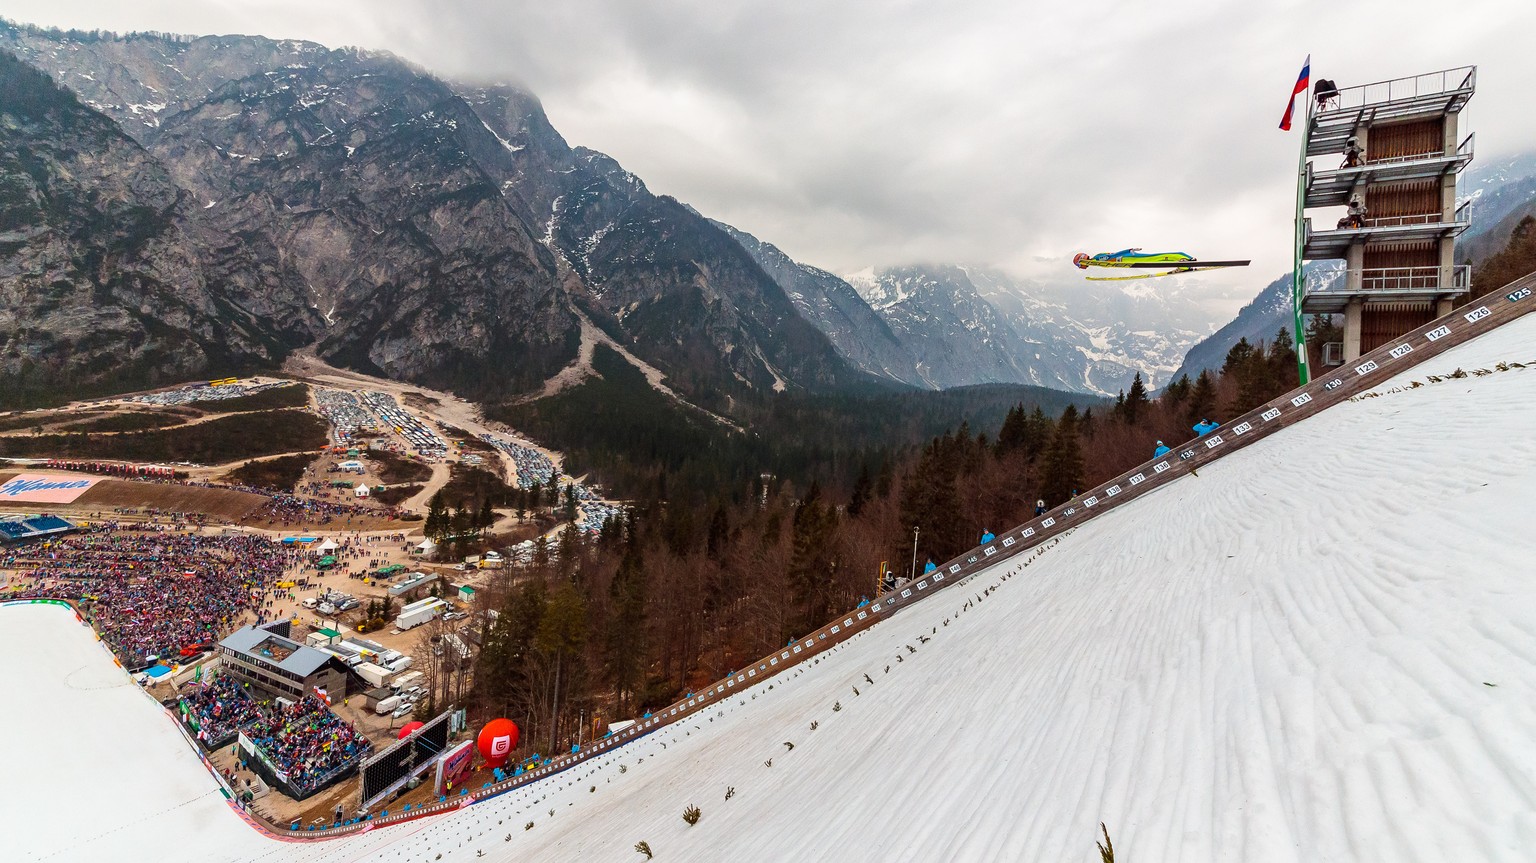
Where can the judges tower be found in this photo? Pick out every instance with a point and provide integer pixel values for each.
(1397, 152)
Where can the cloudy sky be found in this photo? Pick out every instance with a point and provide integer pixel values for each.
(984, 131)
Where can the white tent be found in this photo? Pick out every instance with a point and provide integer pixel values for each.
(426, 546)
(361, 490)
(327, 546)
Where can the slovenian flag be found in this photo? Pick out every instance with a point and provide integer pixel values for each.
(1303, 81)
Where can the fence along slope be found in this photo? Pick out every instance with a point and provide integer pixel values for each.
(1482, 316)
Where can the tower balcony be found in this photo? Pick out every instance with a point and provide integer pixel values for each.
(1333, 188)
(1429, 95)
(1387, 285)
(1323, 245)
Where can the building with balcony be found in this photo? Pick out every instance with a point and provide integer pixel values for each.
(1390, 154)
(265, 657)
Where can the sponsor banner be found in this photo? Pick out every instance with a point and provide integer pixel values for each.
(454, 766)
(43, 488)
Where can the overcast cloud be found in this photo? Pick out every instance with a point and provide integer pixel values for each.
(984, 131)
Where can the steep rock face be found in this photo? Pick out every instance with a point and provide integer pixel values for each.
(680, 291)
(435, 232)
(357, 174)
(345, 186)
(970, 325)
(101, 280)
(956, 336)
(856, 330)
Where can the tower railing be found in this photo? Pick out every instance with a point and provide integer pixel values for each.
(1463, 214)
(1404, 89)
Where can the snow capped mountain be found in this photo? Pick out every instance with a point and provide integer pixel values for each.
(1258, 321)
(975, 324)
(832, 305)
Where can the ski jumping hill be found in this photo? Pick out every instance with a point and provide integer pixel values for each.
(1320, 647)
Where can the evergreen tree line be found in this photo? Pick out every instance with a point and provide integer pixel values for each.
(671, 596)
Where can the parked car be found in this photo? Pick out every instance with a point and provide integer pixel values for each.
(404, 709)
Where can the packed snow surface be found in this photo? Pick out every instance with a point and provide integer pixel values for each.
(1321, 648)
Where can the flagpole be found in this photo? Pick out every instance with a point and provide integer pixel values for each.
(1299, 278)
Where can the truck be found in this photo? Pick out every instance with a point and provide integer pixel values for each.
(372, 673)
(387, 704)
(407, 680)
(420, 612)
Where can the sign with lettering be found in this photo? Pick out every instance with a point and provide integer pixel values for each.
(44, 488)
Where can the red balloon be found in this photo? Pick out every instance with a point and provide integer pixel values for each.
(408, 728)
(496, 741)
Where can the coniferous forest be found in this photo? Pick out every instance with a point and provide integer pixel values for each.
(686, 587)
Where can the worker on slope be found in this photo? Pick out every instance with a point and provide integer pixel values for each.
(1205, 427)
(1162, 450)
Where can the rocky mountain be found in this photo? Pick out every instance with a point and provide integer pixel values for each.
(830, 304)
(432, 231)
(1258, 321)
(966, 325)
(1502, 191)
(102, 278)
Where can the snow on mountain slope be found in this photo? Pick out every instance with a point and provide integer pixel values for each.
(974, 324)
(1234, 668)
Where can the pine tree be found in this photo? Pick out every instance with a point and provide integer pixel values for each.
(624, 649)
(1014, 432)
(863, 487)
(719, 534)
(437, 525)
(561, 636)
(886, 478)
(813, 558)
(1282, 365)
(1202, 399)
(486, 518)
(1135, 401)
(1178, 391)
(1062, 471)
(1037, 433)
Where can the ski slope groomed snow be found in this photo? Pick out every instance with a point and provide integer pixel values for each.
(1322, 648)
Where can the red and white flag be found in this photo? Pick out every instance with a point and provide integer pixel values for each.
(1303, 82)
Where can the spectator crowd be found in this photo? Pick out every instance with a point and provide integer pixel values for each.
(306, 741)
(153, 592)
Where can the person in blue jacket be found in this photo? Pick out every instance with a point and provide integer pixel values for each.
(1205, 427)
(987, 536)
(928, 567)
(1162, 450)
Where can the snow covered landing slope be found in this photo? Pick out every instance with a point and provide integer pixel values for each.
(1236, 668)
(1286, 658)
